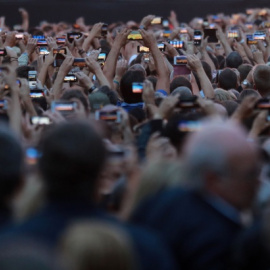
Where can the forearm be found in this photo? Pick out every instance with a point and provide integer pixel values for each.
(29, 107)
(208, 60)
(226, 46)
(87, 42)
(206, 85)
(163, 81)
(15, 110)
(111, 61)
(102, 78)
(43, 74)
(248, 52)
(58, 85)
(25, 23)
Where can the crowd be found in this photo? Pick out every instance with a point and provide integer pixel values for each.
(138, 145)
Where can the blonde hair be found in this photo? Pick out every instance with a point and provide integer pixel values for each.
(93, 245)
(222, 95)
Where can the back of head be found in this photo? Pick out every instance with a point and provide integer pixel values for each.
(230, 106)
(98, 100)
(219, 160)
(227, 79)
(222, 95)
(128, 78)
(11, 163)
(179, 81)
(234, 60)
(96, 246)
(244, 69)
(76, 94)
(261, 77)
(248, 92)
(183, 91)
(109, 93)
(72, 158)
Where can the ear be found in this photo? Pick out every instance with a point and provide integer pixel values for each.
(212, 182)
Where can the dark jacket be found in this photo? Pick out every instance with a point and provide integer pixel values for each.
(48, 225)
(199, 235)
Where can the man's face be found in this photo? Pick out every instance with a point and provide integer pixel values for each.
(240, 186)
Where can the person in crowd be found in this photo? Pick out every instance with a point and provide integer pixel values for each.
(156, 128)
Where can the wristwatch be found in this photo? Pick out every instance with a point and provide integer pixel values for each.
(246, 83)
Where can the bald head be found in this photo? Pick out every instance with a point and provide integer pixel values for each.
(219, 160)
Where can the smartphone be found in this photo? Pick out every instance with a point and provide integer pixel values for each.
(79, 62)
(70, 78)
(102, 57)
(218, 46)
(197, 39)
(266, 24)
(233, 33)
(183, 30)
(137, 88)
(43, 51)
(143, 49)
(188, 103)
(61, 40)
(165, 24)
(31, 156)
(161, 47)
(108, 116)
(32, 78)
(263, 104)
(73, 35)
(19, 36)
(249, 25)
(40, 120)
(251, 40)
(178, 44)
(60, 50)
(189, 126)
(3, 52)
(146, 57)
(135, 35)
(3, 104)
(259, 35)
(37, 93)
(180, 60)
(42, 42)
(216, 19)
(64, 107)
(167, 33)
(211, 33)
(38, 37)
(58, 60)
(104, 29)
(157, 20)
(205, 23)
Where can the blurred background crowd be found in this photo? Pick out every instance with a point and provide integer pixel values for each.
(137, 145)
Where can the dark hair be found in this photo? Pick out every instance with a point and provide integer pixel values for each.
(234, 60)
(74, 93)
(227, 79)
(230, 106)
(109, 93)
(244, 70)
(138, 113)
(73, 155)
(128, 78)
(221, 61)
(248, 92)
(180, 81)
(11, 161)
(39, 102)
(261, 78)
